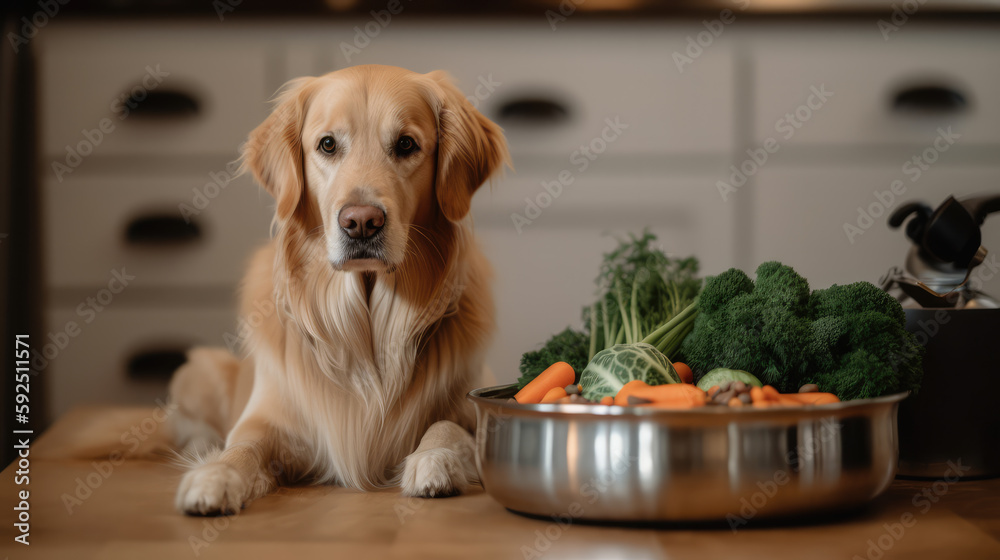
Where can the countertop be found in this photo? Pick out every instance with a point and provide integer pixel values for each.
(94, 509)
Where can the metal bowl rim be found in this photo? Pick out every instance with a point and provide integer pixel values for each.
(747, 413)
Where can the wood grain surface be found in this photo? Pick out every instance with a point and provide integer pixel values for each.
(82, 509)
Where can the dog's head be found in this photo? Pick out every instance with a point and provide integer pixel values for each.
(366, 154)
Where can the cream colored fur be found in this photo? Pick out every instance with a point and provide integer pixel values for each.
(358, 374)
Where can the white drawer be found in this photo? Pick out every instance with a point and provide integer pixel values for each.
(628, 74)
(800, 217)
(85, 70)
(94, 365)
(88, 222)
(866, 74)
(545, 275)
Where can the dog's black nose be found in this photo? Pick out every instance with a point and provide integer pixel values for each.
(361, 221)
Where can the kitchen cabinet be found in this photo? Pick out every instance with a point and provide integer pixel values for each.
(820, 115)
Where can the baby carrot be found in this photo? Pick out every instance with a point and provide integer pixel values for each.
(770, 393)
(608, 400)
(559, 374)
(630, 388)
(671, 395)
(554, 394)
(809, 398)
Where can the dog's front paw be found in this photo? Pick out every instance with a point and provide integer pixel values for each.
(211, 489)
(434, 473)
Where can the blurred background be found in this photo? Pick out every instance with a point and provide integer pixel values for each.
(737, 131)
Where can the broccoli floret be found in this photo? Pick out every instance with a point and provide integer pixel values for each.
(569, 346)
(720, 290)
(780, 286)
(850, 340)
(871, 353)
(854, 298)
(761, 328)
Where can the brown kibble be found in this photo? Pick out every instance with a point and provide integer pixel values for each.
(512, 400)
(745, 398)
(809, 388)
(572, 389)
(725, 396)
(739, 386)
(725, 386)
(634, 400)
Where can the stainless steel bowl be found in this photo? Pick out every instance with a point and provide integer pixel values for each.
(633, 464)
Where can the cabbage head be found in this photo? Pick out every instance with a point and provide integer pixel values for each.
(613, 367)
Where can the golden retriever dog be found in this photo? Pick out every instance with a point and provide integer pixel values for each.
(373, 300)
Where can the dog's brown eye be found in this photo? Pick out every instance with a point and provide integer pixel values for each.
(328, 144)
(405, 146)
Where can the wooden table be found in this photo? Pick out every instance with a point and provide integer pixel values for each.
(129, 514)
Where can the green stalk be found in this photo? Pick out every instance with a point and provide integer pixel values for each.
(657, 334)
(608, 329)
(672, 341)
(621, 336)
(621, 308)
(593, 330)
(636, 331)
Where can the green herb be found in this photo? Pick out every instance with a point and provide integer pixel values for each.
(568, 346)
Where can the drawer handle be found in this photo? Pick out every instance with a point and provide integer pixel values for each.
(160, 103)
(161, 229)
(929, 99)
(155, 363)
(533, 111)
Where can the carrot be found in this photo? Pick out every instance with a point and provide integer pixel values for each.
(608, 400)
(800, 399)
(559, 374)
(770, 393)
(630, 388)
(685, 373)
(757, 398)
(554, 394)
(735, 402)
(671, 395)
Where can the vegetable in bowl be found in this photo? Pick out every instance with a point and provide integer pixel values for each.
(613, 367)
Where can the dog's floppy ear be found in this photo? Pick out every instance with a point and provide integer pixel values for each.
(273, 153)
(470, 147)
